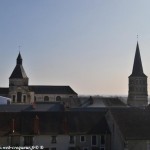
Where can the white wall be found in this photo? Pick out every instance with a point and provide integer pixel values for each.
(45, 140)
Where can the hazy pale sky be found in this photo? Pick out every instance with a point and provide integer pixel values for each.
(87, 44)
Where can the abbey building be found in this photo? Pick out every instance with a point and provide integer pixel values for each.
(96, 123)
(20, 91)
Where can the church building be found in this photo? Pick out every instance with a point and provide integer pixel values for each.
(138, 95)
(20, 91)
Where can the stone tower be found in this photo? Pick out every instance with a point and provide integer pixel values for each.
(18, 83)
(137, 95)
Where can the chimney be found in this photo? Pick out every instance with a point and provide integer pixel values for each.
(65, 125)
(36, 124)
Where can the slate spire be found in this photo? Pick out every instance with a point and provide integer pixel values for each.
(18, 71)
(137, 66)
(19, 59)
(137, 94)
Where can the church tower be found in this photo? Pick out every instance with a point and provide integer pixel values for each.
(137, 95)
(18, 83)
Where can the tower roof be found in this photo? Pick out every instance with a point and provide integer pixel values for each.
(137, 66)
(19, 59)
(18, 71)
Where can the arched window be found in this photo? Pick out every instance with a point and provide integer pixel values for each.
(19, 97)
(14, 98)
(46, 98)
(58, 98)
(34, 98)
(24, 98)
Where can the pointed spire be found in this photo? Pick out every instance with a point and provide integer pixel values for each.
(19, 59)
(18, 71)
(137, 66)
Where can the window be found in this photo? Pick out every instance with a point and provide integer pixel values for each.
(94, 140)
(58, 98)
(13, 98)
(71, 139)
(15, 140)
(19, 96)
(34, 98)
(126, 145)
(53, 139)
(148, 145)
(102, 140)
(82, 138)
(28, 140)
(46, 98)
(24, 98)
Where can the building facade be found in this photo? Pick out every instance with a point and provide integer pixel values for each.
(59, 130)
(129, 128)
(20, 91)
(111, 126)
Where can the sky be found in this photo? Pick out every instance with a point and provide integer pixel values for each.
(87, 44)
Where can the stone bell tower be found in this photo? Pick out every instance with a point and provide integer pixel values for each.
(18, 83)
(137, 95)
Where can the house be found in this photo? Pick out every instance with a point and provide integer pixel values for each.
(59, 130)
(129, 128)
